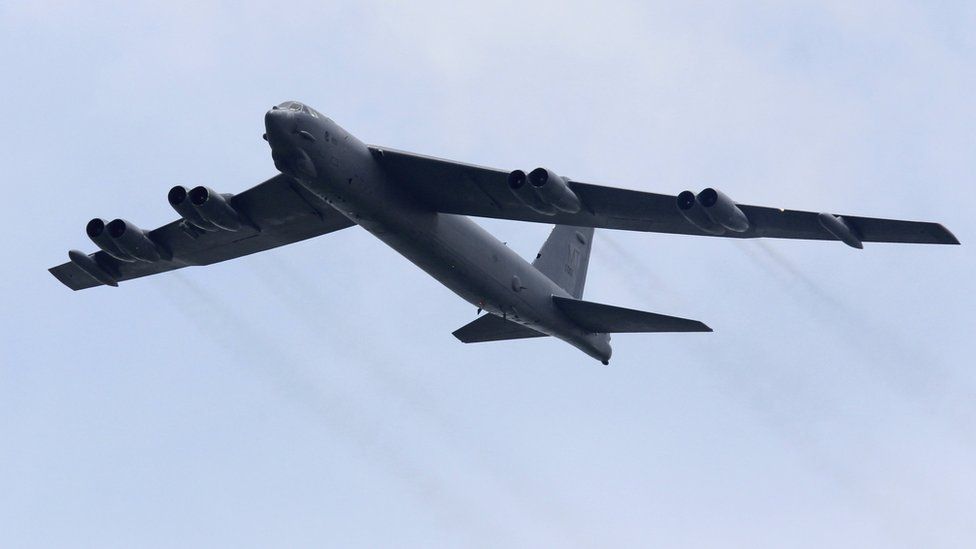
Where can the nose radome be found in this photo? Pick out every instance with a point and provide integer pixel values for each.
(274, 113)
(276, 121)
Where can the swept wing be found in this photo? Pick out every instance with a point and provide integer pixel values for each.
(276, 212)
(465, 189)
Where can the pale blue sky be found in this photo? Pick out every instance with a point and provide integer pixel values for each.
(313, 396)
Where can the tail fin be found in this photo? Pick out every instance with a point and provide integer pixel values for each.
(565, 257)
(600, 318)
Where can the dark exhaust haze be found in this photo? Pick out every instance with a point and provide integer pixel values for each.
(301, 298)
(261, 355)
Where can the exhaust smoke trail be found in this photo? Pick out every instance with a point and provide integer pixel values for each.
(629, 268)
(927, 382)
(300, 296)
(793, 270)
(766, 398)
(277, 364)
(627, 258)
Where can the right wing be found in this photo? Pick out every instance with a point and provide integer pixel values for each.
(466, 189)
(280, 210)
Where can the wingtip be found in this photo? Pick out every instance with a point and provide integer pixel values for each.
(66, 279)
(949, 237)
(697, 326)
(82, 272)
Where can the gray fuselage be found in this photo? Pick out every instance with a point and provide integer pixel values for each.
(341, 170)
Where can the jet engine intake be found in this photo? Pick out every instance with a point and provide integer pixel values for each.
(722, 210)
(179, 199)
(695, 214)
(97, 233)
(134, 241)
(216, 208)
(554, 190)
(525, 194)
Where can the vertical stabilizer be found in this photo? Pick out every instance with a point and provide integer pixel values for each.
(565, 257)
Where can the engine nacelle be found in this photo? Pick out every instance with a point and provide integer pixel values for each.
(134, 242)
(517, 184)
(553, 190)
(695, 214)
(179, 199)
(215, 208)
(97, 233)
(722, 210)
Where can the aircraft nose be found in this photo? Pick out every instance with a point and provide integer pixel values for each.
(278, 123)
(276, 114)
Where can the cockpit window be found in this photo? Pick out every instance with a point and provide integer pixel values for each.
(300, 107)
(293, 106)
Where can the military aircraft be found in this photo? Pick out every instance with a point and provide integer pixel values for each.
(418, 205)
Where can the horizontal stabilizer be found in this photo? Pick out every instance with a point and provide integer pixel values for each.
(600, 318)
(493, 328)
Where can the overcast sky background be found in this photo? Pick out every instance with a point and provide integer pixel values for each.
(314, 395)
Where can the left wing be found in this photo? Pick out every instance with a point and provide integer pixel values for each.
(276, 212)
(452, 187)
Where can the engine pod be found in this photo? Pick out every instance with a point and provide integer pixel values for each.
(178, 197)
(554, 190)
(215, 208)
(133, 241)
(96, 231)
(692, 211)
(517, 183)
(722, 210)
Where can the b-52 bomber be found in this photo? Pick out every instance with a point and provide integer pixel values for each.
(418, 205)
